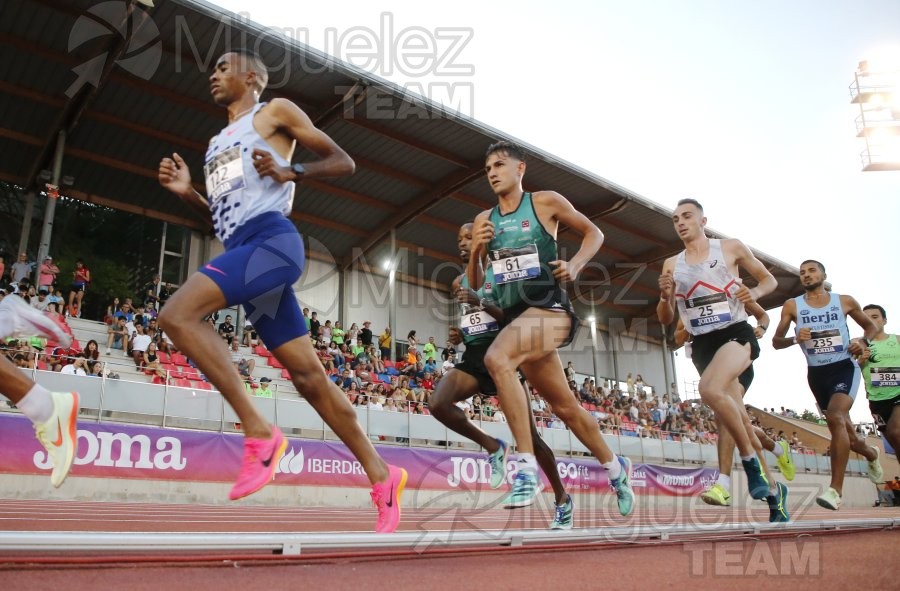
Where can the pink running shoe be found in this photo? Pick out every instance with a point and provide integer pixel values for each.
(386, 497)
(261, 458)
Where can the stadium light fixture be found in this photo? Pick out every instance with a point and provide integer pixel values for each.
(876, 89)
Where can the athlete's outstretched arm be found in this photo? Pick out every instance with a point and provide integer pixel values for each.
(334, 161)
(788, 315)
(175, 176)
(854, 310)
(591, 236)
(745, 259)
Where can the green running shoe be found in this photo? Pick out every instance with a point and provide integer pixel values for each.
(497, 460)
(564, 517)
(778, 505)
(524, 490)
(622, 486)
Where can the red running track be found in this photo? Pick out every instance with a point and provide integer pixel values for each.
(829, 561)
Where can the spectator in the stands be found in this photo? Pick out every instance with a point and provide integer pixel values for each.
(629, 382)
(226, 330)
(244, 366)
(449, 363)
(21, 269)
(264, 391)
(337, 333)
(639, 385)
(150, 293)
(385, 344)
(117, 336)
(111, 311)
(47, 277)
(570, 372)
(314, 326)
(95, 368)
(325, 332)
(358, 350)
(375, 360)
(151, 361)
(429, 351)
(366, 333)
(92, 350)
(140, 340)
(251, 338)
(81, 278)
(411, 340)
(40, 302)
(352, 334)
(78, 367)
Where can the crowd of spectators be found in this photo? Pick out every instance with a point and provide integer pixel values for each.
(361, 363)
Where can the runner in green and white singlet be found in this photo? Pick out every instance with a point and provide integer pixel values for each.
(880, 364)
(518, 237)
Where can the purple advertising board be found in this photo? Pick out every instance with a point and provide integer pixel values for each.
(112, 450)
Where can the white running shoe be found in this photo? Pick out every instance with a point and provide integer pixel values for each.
(30, 322)
(830, 499)
(876, 473)
(59, 435)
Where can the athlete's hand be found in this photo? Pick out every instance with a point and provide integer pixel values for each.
(265, 166)
(482, 233)
(803, 335)
(744, 295)
(758, 332)
(467, 295)
(864, 356)
(455, 337)
(175, 176)
(666, 286)
(565, 271)
(856, 348)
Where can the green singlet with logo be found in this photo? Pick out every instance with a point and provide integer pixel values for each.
(882, 371)
(519, 256)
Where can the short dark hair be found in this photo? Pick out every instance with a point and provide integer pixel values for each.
(689, 201)
(820, 265)
(252, 62)
(509, 148)
(876, 307)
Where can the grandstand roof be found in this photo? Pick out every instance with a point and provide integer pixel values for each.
(419, 166)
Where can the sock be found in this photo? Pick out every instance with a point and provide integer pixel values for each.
(528, 462)
(724, 480)
(747, 458)
(778, 451)
(613, 468)
(37, 405)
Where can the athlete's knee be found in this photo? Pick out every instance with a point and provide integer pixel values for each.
(440, 406)
(711, 388)
(837, 421)
(497, 361)
(567, 411)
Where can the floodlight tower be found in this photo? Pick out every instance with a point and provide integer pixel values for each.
(876, 89)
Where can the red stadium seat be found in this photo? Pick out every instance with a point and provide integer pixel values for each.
(275, 363)
(262, 351)
(201, 385)
(179, 359)
(163, 357)
(182, 383)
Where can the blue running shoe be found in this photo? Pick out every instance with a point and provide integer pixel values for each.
(756, 480)
(525, 489)
(778, 512)
(497, 460)
(622, 487)
(564, 518)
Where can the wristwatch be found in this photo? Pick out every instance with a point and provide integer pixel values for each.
(298, 170)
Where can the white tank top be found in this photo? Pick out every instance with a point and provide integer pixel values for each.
(235, 190)
(705, 293)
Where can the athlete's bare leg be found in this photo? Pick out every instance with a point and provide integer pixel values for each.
(182, 319)
(308, 376)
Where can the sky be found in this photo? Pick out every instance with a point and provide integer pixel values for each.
(742, 106)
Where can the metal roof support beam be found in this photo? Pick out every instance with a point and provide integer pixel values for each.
(412, 210)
